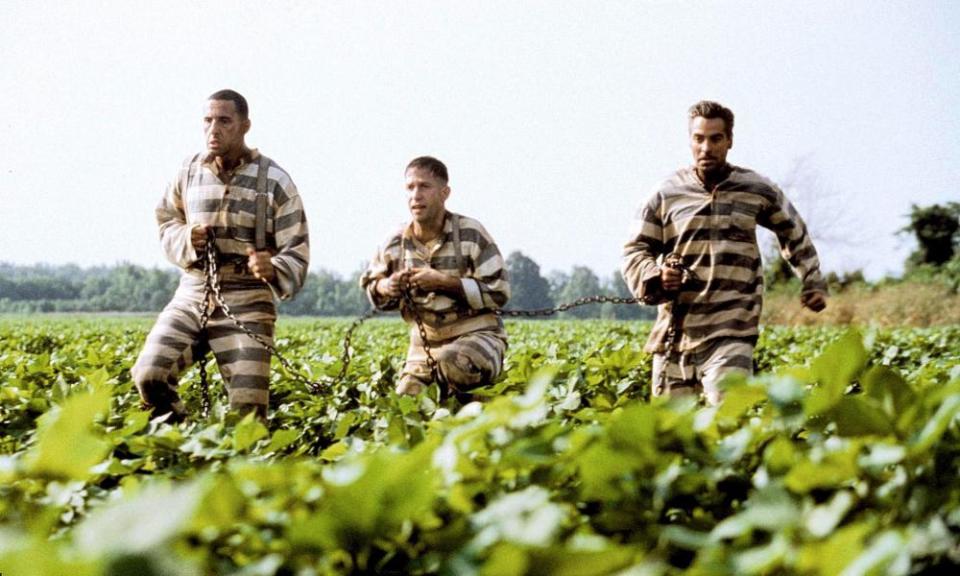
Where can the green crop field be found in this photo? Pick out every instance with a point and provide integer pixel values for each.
(841, 456)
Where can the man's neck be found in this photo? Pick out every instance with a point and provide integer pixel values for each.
(227, 163)
(427, 231)
(713, 177)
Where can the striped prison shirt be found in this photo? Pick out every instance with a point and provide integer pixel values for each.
(714, 232)
(483, 278)
(202, 196)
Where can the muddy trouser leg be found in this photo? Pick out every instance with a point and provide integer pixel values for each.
(467, 361)
(680, 378)
(472, 360)
(243, 362)
(172, 345)
(703, 368)
(415, 375)
(723, 356)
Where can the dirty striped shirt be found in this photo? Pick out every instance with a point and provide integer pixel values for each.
(714, 232)
(483, 278)
(198, 196)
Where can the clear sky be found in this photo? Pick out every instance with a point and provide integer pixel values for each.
(555, 117)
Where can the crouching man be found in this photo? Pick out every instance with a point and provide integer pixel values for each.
(455, 278)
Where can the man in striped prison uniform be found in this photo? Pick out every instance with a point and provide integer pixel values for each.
(707, 215)
(218, 191)
(457, 278)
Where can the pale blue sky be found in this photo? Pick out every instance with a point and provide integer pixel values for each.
(555, 118)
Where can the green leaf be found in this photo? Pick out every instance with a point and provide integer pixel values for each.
(859, 416)
(220, 506)
(281, 439)
(780, 456)
(43, 558)
(835, 369)
(564, 561)
(248, 431)
(884, 551)
(829, 557)
(154, 516)
(634, 429)
(836, 469)
(821, 520)
(889, 389)
(936, 425)
(739, 398)
(505, 560)
(770, 509)
(67, 446)
(762, 559)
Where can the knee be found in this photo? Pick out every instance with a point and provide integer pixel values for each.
(460, 370)
(152, 382)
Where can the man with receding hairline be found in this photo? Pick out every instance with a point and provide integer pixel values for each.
(254, 212)
(456, 279)
(693, 250)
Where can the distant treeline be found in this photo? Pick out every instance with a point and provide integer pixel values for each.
(132, 288)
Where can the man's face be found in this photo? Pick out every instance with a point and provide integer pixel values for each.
(224, 128)
(709, 143)
(426, 195)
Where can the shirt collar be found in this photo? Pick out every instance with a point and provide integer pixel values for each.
(248, 156)
(447, 227)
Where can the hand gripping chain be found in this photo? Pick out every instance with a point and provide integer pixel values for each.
(674, 261)
(211, 287)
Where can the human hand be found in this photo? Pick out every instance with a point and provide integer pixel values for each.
(260, 264)
(815, 301)
(430, 280)
(198, 237)
(392, 286)
(670, 278)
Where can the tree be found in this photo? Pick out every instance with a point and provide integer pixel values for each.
(583, 282)
(936, 230)
(617, 287)
(828, 219)
(529, 290)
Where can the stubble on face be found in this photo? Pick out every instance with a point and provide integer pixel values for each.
(709, 144)
(426, 197)
(224, 129)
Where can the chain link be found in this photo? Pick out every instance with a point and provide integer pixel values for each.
(538, 312)
(438, 375)
(674, 329)
(211, 287)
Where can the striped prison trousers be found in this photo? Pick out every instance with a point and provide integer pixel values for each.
(466, 361)
(702, 369)
(176, 341)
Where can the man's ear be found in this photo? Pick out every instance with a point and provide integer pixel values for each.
(246, 125)
(446, 193)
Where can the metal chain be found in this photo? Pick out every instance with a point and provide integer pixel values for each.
(674, 261)
(204, 320)
(345, 357)
(438, 375)
(564, 307)
(211, 287)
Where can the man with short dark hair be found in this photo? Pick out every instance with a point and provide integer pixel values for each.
(254, 212)
(693, 250)
(456, 279)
